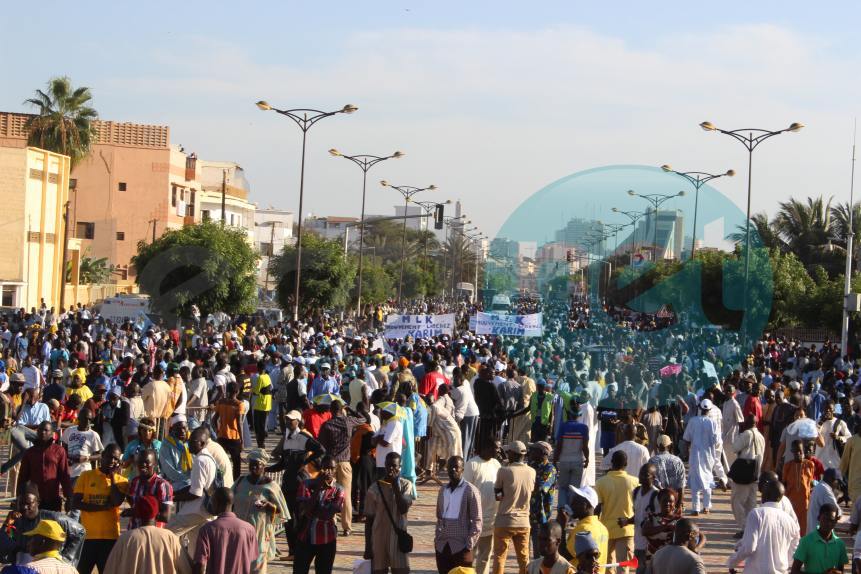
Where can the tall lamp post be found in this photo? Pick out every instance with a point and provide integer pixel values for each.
(304, 118)
(408, 192)
(750, 138)
(634, 216)
(365, 163)
(657, 200)
(451, 222)
(696, 179)
(847, 277)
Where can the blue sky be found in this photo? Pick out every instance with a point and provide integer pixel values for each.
(491, 101)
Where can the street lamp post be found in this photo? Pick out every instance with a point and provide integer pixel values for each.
(365, 163)
(408, 192)
(634, 216)
(697, 179)
(750, 138)
(304, 118)
(656, 199)
(451, 222)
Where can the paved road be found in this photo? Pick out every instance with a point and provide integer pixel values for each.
(718, 526)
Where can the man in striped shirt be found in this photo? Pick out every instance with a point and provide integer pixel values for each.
(148, 483)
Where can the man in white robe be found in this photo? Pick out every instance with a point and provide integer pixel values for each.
(721, 467)
(731, 419)
(703, 435)
(589, 418)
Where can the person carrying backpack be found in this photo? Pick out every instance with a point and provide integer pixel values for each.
(195, 509)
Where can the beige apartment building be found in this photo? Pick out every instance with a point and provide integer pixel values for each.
(34, 187)
(132, 187)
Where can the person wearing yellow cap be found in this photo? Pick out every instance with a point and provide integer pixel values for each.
(45, 543)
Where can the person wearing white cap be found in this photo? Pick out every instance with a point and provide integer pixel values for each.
(703, 435)
(581, 508)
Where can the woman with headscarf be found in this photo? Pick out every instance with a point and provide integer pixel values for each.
(445, 438)
(408, 454)
(146, 440)
(296, 449)
(260, 502)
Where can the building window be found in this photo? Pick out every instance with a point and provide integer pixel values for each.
(205, 215)
(173, 196)
(121, 186)
(266, 249)
(121, 235)
(85, 230)
(9, 292)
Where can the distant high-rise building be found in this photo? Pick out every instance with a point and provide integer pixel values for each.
(663, 234)
(579, 233)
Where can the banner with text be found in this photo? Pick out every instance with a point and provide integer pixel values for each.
(419, 326)
(517, 325)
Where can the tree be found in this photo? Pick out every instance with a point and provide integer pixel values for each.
(63, 120)
(377, 284)
(762, 234)
(326, 277)
(208, 265)
(91, 271)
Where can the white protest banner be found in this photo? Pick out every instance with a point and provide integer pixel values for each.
(517, 325)
(418, 326)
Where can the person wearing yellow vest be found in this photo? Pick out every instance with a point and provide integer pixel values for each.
(261, 403)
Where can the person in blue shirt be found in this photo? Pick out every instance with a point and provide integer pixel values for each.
(33, 413)
(324, 383)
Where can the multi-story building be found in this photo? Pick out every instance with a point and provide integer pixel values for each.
(662, 235)
(34, 190)
(581, 233)
(225, 181)
(273, 230)
(333, 227)
(134, 185)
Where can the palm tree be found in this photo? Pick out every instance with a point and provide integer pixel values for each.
(806, 227)
(63, 122)
(762, 234)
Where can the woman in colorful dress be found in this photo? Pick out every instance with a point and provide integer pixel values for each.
(258, 500)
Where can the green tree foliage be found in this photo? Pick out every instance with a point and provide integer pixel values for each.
(377, 284)
(327, 279)
(63, 120)
(90, 270)
(207, 265)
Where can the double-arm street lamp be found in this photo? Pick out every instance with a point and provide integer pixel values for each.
(304, 118)
(365, 163)
(697, 179)
(656, 199)
(750, 138)
(408, 192)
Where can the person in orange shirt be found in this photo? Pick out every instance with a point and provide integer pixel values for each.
(226, 417)
(798, 478)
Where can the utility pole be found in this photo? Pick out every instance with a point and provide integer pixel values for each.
(223, 197)
(153, 221)
(65, 256)
(847, 279)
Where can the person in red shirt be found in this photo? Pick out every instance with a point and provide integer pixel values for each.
(45, 465)
(432, 380)
(315, 416)
(753, 406)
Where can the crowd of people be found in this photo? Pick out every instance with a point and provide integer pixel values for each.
(144, 448)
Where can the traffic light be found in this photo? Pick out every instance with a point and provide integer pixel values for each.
(569, 256)
(438, 215)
